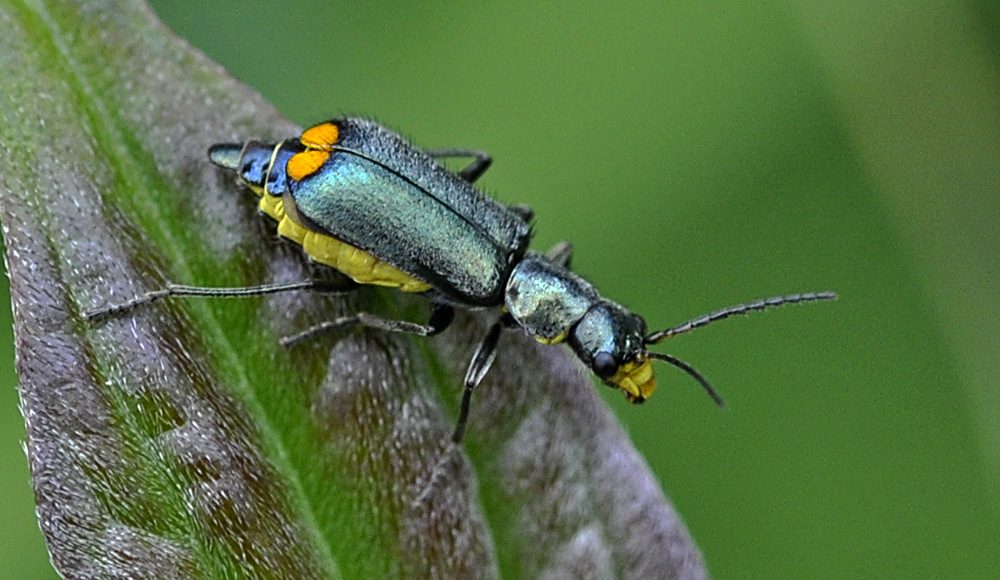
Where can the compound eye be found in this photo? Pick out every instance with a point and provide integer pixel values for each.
(604, 365)
(247, 170)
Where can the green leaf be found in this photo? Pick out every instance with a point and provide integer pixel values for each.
(180, 441)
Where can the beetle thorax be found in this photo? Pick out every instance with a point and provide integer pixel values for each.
(546, 299)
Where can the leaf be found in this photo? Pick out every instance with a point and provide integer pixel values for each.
(180, 441)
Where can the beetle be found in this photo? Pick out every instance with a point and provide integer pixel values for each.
(358, 197)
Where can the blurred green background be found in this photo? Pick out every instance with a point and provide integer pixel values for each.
(700, 154)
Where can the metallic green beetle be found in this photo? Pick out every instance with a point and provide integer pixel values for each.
(358, 197)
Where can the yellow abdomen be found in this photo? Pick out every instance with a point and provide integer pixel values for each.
(358, 264)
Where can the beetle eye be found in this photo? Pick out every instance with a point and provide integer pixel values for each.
(604, 365)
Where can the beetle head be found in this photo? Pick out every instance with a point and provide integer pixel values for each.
(612, 342)
(261, 166)
(609, 340)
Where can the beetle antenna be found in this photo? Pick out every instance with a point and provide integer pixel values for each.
(741, 309)
(691, 371)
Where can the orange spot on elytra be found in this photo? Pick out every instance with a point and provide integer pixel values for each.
(304, 164)
(323, 136)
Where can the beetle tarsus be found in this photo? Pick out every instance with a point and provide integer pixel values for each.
(437, 475)
(481, 362)
(440, 319)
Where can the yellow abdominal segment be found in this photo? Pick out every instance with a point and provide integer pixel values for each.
(555, 340)
(361, 266)
(635, 379)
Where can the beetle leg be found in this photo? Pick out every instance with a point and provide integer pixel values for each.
(522, 211)
(440, 319)
(180, 290)
(481, 362)
(478, 367)
(474, 170)
(560, 254)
